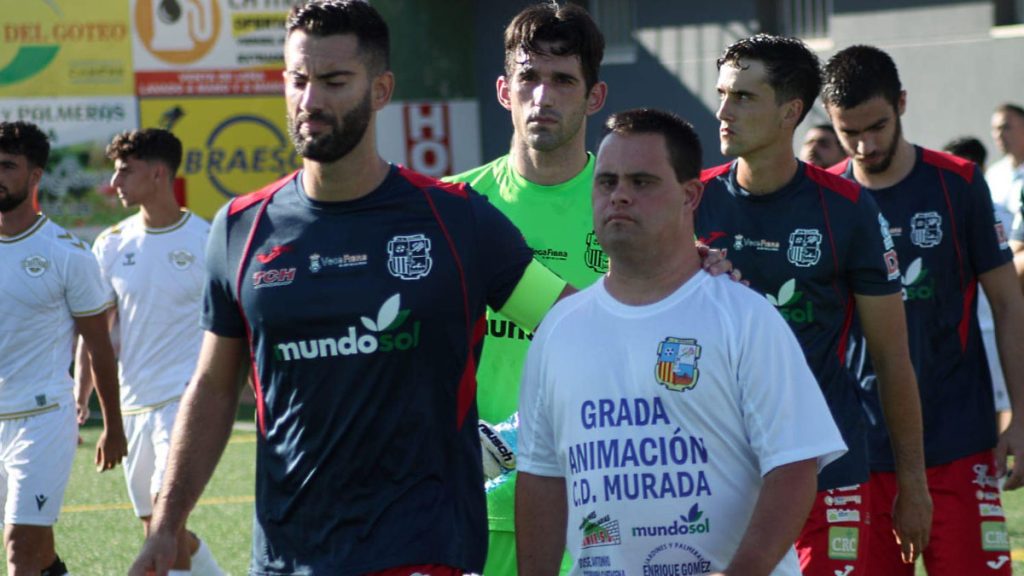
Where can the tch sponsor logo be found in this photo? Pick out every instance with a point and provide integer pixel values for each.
(270, 278)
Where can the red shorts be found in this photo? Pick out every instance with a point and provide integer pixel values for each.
(420, 570)
(832, 542)
(968, 526)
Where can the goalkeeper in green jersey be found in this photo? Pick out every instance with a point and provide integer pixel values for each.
(551, 86)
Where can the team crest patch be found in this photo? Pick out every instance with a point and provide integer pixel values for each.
(926, 229)
(804, 247)
(595, 257)
(35, 265)
(677, 363)
(409, 257)
(181, 259)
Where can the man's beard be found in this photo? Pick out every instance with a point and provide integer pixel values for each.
(337, 143)
(890, 152)
(12, 200)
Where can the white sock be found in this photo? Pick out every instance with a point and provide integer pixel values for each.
(203, 562)
(179, 573)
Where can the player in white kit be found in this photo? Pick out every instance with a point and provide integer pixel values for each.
(51, 288)
(153, 265)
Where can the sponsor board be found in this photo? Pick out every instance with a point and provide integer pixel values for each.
(65, 48)
(232, 146)
(75, 190)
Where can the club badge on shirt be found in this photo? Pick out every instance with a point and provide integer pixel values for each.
(926, 229)
(35, 265)
(181, 259)
(676, 368)
(804, 247)
(409, 257)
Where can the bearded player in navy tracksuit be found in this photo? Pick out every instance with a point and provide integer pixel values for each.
(815, 246)
(358, 289)
(941, 219)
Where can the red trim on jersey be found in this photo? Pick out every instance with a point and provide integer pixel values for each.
(943, 161)
(422, 181)
(848, 321)
(838, 169)
(844, 334)
(467, 383)
(712, 173)
(239, 203)
(967, 286)
(965, 314)
(265, 194)
(845, 188)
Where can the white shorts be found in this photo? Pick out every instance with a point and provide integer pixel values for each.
(149, 443)
(36, 455)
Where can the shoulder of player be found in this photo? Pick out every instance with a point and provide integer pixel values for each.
(709, 174)
(430, 184)
(242, 203)
(479, 176)
(65, 242)
(833, 182)
(965, 169)
(568, 309)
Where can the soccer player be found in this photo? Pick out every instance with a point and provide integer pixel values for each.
(1005, 177)
(939, 213)
(550, 86)
(152, 265)
(821, 147)
(670, 423)
(52, 288)
(359, 289)
(816, 246)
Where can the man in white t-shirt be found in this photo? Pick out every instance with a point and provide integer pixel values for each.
(51, 287)
(1005, 177)
(669, 421)
(153, 266)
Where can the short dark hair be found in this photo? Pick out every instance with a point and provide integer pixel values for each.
(357, 17)
(826, 127)
(569, 29)
(681, 140)
(1008, 107)
(151, 144)
(25, 139)
(968, 148)
(794, 71)
(859, 73)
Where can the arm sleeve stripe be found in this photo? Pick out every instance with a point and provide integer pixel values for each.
(533, 296)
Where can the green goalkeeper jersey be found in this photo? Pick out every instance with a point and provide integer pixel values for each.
(558, 224)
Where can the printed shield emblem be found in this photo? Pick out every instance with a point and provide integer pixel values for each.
(804, 247)
(409, 257)
(677, 363)
(926, 229)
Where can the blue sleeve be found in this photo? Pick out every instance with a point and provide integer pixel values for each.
(872, 263)
(501, 251)
(987, 247)
(220, 313)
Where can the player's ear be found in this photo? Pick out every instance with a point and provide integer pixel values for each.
(792, 110)
(382, 87)
(503, 89)
(693, 191)
(596, 98)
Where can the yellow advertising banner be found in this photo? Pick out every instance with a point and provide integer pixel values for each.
(232, 145)
(65, 48)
